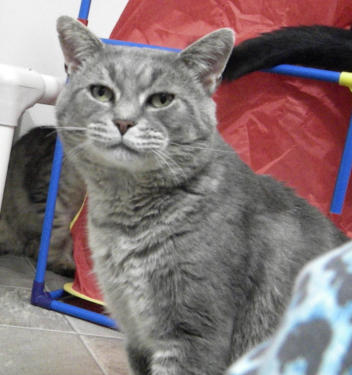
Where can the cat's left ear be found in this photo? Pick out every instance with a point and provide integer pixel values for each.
(207, 57)
(77, 42)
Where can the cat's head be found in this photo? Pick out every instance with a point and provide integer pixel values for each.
(139, 108)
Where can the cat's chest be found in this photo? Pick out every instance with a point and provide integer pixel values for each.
(124, 267)
(126, 208)
(129, 242)
(126, 257)
(106, 238)
(127, 226)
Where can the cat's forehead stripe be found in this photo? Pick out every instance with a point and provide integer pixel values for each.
(144, 75)
(115, 71)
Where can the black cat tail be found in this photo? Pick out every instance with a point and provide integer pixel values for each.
(313, 46)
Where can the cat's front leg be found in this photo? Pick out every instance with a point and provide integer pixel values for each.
(138, 360)
(176, 357)
(166, 360)
(182, 357)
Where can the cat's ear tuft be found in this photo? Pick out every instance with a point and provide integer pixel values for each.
(77, 42)
(207, 57)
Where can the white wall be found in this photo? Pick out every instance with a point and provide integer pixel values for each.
(28, 39)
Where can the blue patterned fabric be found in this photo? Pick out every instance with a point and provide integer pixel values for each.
(315, 336)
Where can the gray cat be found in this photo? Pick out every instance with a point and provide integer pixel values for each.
(24, 201)
(194, 253)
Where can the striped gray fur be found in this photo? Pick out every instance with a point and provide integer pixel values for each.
(25, 196)
(194, 253)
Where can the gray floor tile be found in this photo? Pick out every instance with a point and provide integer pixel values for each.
(109, 353)
(15, 271)
(35, 341)
(54, 281)
(87, 328)
(35, 352)
(16, 310)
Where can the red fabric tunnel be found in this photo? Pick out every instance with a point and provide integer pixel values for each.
(290, 128)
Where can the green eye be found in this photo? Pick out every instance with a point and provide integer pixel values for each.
(102, 93)
(160, 100)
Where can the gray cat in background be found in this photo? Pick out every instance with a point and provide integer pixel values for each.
(195, 254)
(25, 196)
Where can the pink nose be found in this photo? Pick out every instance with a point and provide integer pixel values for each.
(124, 125)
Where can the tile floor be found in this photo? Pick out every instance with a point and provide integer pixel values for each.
(35, 341)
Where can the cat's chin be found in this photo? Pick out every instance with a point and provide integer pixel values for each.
(122, 156)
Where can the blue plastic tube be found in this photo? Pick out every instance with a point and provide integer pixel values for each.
(49, 213)
(286, 69)
(303, 72)
(48, 300)
(84, 9)
(83, 314)
(139, 45)
(39, 297)
(343, 174)
(56, 294)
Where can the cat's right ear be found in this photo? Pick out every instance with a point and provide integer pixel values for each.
(77, 42)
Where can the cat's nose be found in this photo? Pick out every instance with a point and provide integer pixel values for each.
(124, 125)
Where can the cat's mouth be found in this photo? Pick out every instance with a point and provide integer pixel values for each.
(121, 155)
(115, 146)
(121, 146)
(118, 154)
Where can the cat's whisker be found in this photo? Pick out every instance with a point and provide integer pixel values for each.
(201, 148)
(163, 161)
(73, 128)
(54, 129)
(48, 126)
(158, 159)
(51, 133)
(167, 161)
(176, 165)
(57, 127)
(75, 151)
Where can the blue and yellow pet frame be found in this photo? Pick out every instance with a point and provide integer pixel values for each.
(51, 300)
